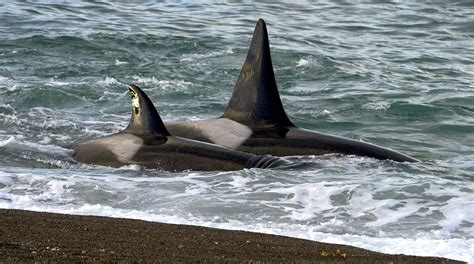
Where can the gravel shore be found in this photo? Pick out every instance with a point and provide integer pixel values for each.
(27, 236)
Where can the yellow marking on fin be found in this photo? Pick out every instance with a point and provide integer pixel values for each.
(135, 106)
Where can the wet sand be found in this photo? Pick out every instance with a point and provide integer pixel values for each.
(27, 236)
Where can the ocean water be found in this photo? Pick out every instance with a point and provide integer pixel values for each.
(400, 75)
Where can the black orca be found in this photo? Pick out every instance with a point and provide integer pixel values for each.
(256, 122)
(147, 142)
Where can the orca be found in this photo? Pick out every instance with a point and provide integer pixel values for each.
(256, 122)
(147, 142)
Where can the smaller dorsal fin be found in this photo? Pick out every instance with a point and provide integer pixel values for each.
(255, 101)
(145, 119)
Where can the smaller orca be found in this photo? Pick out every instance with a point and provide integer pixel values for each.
(147, 142)
(256, 122)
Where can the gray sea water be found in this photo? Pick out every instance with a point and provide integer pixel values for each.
(400, 75)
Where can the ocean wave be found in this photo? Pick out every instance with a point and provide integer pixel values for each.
(377, 106)
(302, 62)
(407, 85)
(109, 81)
(117, 62)
(198, 56)
(419, 246)
(7, 141)
(19, 141)
(173, 85)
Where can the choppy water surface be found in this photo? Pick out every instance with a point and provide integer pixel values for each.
(398, 75)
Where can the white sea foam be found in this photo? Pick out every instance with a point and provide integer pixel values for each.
(8, 83)
(177, 85)
(44, 118)
(5, 179)
(197, 56)
(302, 62)
(4, 79)
(108, 81)
(57, 187)
(423, 208)
(117, 62)
(239, 181)
(314, 113)
(53, 82)
(386, 213)
(4, 142)
(335, 202)
(108, 95)
(457, 211)
(459, 249)
(20, 143)
(12, 88)
(45, 140)
(146, 80)
(11, 119)
(377, 106)
(312, 197)
(132, 167)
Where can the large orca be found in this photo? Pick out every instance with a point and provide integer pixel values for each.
(147, 142)
(256, 122)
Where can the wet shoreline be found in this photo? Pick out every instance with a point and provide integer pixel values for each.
(37, 236)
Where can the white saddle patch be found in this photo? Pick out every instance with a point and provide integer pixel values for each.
(224, 132)
(124, 146)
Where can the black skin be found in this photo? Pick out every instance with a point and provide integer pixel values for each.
(293, 141)
(175, 154)
(146, 142)
(256, 105)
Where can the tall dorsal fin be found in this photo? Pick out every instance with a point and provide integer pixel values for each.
(145, 119)
(255, 101)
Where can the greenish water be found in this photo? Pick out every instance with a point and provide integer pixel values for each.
(399, 75)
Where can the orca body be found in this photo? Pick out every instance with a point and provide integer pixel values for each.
(256, 122)
(147, 142)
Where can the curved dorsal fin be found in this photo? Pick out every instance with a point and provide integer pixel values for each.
(255, 101)
(145, 119)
